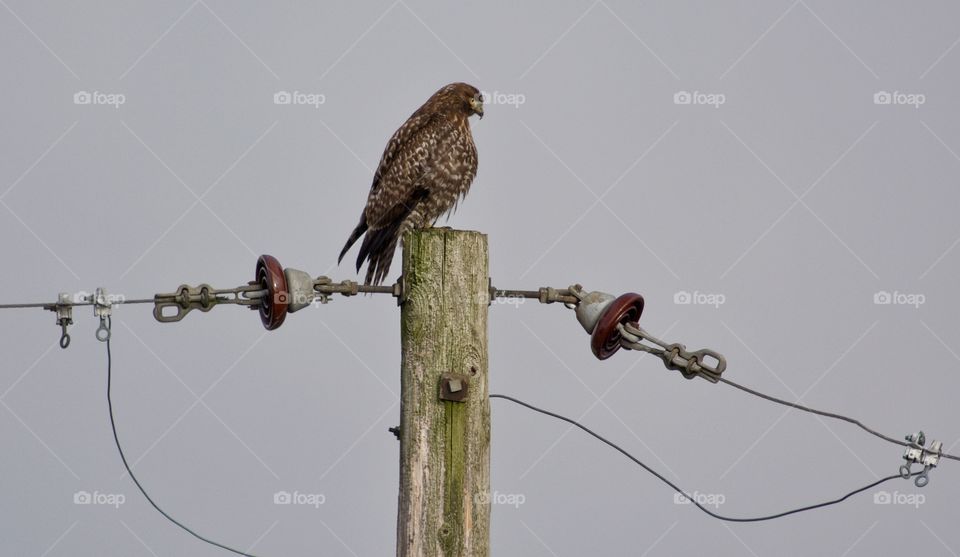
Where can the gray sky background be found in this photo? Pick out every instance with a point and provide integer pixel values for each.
(795, 201)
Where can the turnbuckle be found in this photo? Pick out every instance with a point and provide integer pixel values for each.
(675, 356)
(203, 297)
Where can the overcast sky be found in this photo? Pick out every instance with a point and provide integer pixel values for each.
(766, 174)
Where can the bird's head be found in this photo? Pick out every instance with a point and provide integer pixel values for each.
(461, 97)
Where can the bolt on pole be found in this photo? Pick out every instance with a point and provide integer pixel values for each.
(444, 508)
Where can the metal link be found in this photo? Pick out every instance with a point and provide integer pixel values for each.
(675, 356)
(203, 297)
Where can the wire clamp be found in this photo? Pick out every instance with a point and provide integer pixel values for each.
(102, 308)
(928, 457)
(64, 310)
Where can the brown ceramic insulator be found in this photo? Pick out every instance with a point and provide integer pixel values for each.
(605, 340)
(273, 306)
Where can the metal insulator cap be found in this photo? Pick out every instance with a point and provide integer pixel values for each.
(591, 307)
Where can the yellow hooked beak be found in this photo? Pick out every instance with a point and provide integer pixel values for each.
(476, 105)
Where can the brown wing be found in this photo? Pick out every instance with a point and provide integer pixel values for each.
(378, 196)
(400, 173)
(416, 122)
(444, 163)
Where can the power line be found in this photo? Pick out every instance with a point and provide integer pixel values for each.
(116, 438)
(841, 417)
(46, 305)
(303, 290)
(693, 500)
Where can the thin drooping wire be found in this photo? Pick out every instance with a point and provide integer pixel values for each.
(116, 438)
(693, 500)
(571, 421)
(841, 417)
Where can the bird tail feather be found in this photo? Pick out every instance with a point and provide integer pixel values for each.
(379, 264)
(377, 250)
(354, 236)
(378, 245)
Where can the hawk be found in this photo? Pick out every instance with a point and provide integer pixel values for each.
(426, 169)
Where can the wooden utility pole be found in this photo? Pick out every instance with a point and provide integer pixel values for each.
(444, 503)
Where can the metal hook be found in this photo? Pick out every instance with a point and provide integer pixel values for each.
(64, 310)
(577, 292)
(905, 470)
(64, 336)
(102, 309)
(103, 331)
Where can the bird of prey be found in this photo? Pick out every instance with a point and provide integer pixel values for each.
(426, 169)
